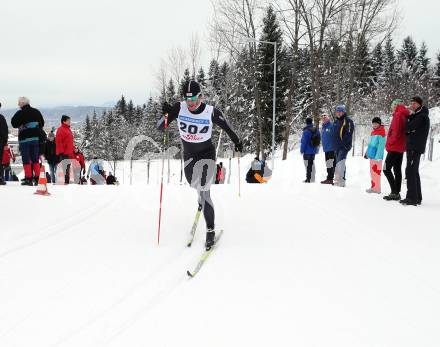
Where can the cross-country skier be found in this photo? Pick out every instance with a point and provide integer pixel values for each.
(195, 121)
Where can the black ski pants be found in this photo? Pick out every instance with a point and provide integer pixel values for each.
(199, 172)
(393, 171)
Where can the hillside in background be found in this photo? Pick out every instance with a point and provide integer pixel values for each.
(53, 115)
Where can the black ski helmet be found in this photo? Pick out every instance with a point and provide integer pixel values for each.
(191, 89)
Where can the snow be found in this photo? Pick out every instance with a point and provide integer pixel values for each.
(298, 265)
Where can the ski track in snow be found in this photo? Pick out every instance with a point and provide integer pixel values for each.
(55, 229)
(131, 305)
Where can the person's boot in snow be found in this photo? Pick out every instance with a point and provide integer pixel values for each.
(372, 191)
(327, 181)
(27, 182)
(408, 202)
(392, 197)
(2, 183)
(210, 239)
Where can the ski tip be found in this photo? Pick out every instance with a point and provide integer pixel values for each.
(190, 275)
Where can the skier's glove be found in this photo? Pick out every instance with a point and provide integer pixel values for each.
(239, 147)
(166, 108)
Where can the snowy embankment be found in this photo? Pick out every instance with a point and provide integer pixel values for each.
(298, 265)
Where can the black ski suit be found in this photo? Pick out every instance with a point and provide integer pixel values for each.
(199, 157)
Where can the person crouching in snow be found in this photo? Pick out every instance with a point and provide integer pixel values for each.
(375, 152)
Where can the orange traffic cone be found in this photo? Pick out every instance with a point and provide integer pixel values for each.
(42, 183)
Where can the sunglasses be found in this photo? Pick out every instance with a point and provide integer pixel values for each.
(192, 98)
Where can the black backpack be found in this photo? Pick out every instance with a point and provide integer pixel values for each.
(316, 138)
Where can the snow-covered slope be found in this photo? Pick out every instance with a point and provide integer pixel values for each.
(298, 265)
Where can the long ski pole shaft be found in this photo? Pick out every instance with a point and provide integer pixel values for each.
(165, 142)
(239, 175)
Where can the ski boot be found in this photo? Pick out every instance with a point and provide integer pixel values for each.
(392, 197)
(210, 239)
(27, 182)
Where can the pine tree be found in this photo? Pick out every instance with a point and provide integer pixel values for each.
(201, 78)
(186, 78)
(423, 60)
(408, 54)
(86, 136)
(121, 106)
(271, 33)
(213, 76)
(170, 94)
(378, 75)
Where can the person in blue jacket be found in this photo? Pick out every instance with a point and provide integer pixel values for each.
(328, 147)
(343, 129)
(309, 148)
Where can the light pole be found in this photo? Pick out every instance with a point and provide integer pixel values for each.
(274, 92)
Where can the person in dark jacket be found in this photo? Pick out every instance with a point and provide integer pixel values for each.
(51, 156)
(396, 146)
(343, 128)
(64, 146)
(309, 150)
(417, 130)
(30, 123)
(3, 143)
(328, 147)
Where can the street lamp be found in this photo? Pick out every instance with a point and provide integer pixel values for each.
(274, 91)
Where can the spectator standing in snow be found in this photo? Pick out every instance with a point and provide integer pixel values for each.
(64, 146)
(8, 155)
(375, 152)
(417, 130)
(328, 148)
(3, 142)
(223, 174)
(310, 141)
(219, 177)
(30, 124)
(79, 165)
(343, 128)
(50, 154)
(396, 146)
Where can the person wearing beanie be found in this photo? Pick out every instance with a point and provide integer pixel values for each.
(395, 146)
(50, 154)
(417, 130)
(343, 129)
(328, 148)
(3, 142)
(309, 148)
(195, 122)
(375, 152)
(30, 124)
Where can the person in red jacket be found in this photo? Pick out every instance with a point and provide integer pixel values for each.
(396, 147)
(8, 155)
(79, 165)
(64, 146)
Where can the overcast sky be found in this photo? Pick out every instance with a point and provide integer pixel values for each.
(89, 52)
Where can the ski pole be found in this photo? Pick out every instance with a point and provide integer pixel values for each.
(239, 184)
(165, 142)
